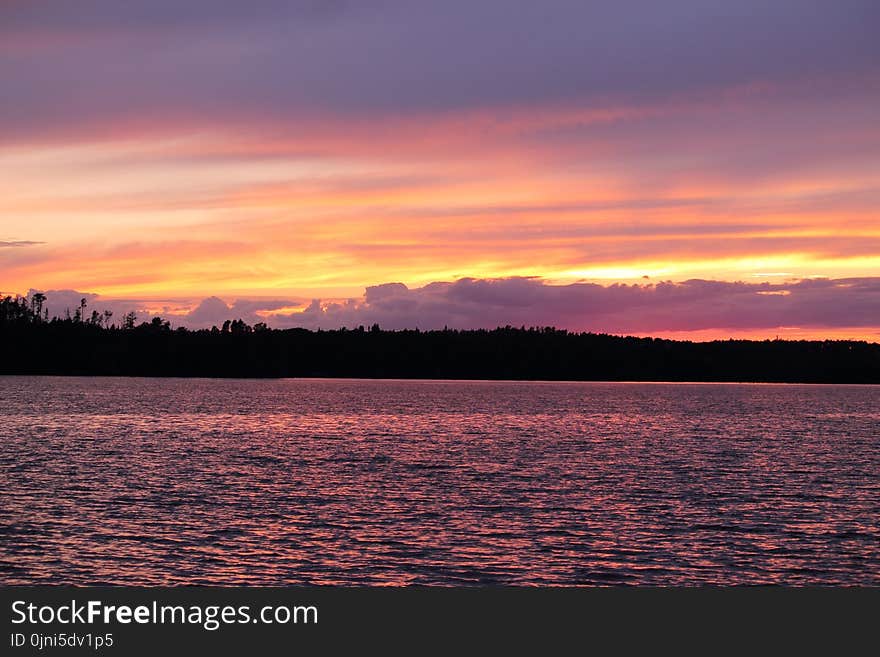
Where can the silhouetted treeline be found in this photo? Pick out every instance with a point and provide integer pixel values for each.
(82, 344)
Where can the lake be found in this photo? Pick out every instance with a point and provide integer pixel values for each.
(276, 482)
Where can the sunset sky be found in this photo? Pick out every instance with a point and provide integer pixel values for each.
(689, 168)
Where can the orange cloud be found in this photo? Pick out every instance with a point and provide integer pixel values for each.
(675, 190)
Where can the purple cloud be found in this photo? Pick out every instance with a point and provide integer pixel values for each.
(639, 309)
(213, 311)
(166, 58)
(468, 303)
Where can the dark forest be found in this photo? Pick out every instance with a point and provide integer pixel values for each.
(93, 344)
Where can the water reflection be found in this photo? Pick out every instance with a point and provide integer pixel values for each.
(136, 481)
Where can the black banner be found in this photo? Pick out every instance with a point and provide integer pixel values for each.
(170, 621)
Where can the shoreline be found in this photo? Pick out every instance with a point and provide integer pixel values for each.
(201, 377)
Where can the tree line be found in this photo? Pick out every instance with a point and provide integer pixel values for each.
(83, 343)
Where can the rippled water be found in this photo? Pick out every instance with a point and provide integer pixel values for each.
(169, 481)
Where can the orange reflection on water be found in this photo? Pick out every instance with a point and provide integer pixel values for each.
(162, 482)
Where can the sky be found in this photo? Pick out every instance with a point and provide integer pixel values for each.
(694, 168)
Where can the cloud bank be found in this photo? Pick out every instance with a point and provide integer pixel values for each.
(642, 309)
(387, 56)
(686, 306)
(186, 149)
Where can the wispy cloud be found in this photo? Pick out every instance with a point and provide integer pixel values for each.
(17, 243)
(823, 305)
